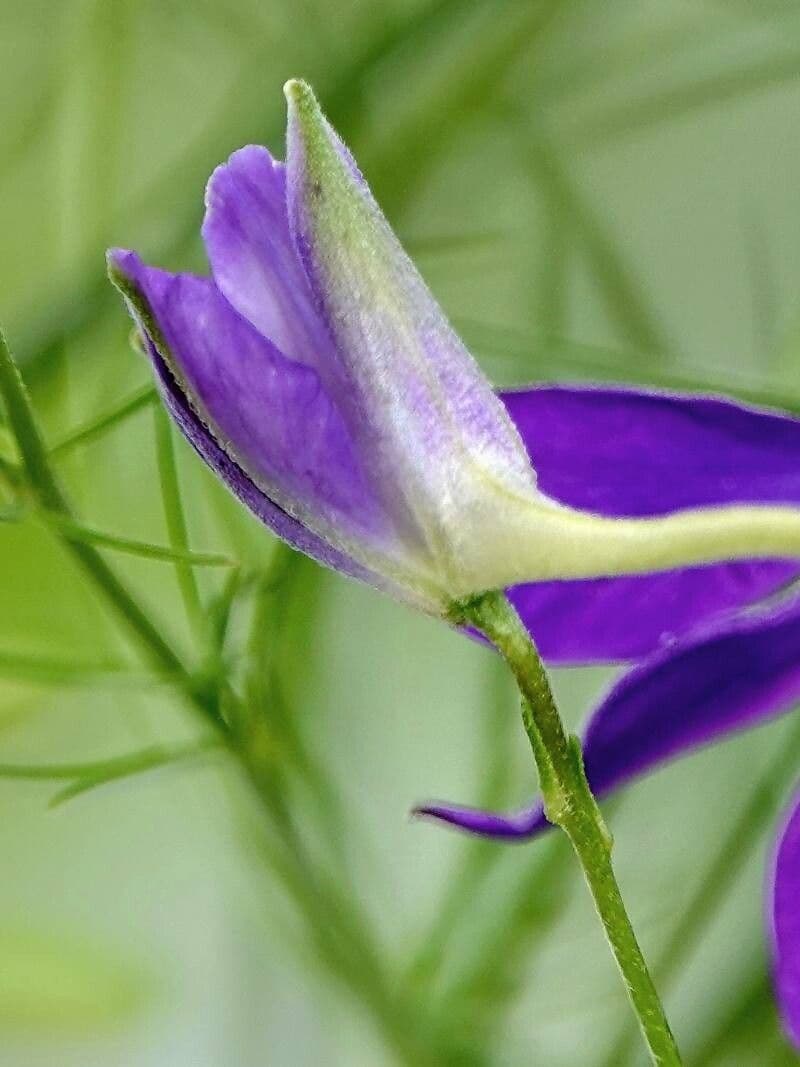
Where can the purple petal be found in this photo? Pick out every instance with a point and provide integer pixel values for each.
(281, 524)
(515, 827)
(428, 418)
(268, 413)
(277, 520)
(207, 444)
(720, 680)
(784, 923)
(623, 452)
(611, 620)
(628, 452)
(727, 678)
(255, 262)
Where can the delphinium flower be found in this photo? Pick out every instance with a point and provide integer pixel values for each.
(725, 675)
(316, 375)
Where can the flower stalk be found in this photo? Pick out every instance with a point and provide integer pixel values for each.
(569, 804)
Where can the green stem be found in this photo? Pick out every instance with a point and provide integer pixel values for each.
(142, 759)
(343, 941)
(569, 804)
(480, 993)
(176, 523)
(339, 931)
(49, 494)
(127, 546)
(480, 857)
(616, 281)
(98, 426)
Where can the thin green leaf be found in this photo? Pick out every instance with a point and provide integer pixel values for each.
(587, 71)
(47, 670)
(176, 522)
(246, 30)
(618, 283)
(91, 776)
(221, 608)
(25, 430)
(463, 86)
(116, 766)
(478, 858)
(75, 531)
(67, 320)
(101, 424)
(447, 243)
(552, 266)
(42, 480)
(10, 471)
(634, 116)
(479, 993)
(87, 775)
(31, 124)
(763, 285)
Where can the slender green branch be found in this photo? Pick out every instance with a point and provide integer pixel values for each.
(101, 424)
(339, 932)
(9, 473)
(147, 759)
(181, 557)
(481, 994)
(479, 857)
(176, 522)
(44, 485)
(49, 670)
(87, 775)
(569, 804)
(345, 944)
(617, 282)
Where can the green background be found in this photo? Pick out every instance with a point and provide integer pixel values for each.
(594, 192)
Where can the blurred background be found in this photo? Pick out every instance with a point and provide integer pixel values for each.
(594, 192)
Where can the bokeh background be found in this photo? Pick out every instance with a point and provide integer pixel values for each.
(594, 192)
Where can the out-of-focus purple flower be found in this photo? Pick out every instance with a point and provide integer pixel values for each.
(315, 373)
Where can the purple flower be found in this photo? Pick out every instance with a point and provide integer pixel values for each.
(315, 373)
